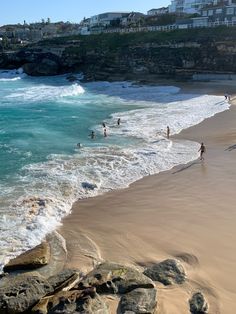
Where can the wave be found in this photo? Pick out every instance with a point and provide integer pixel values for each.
(44, 92)
(12, 75)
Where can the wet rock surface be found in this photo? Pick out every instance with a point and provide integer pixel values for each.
(168, 272)
(141, 301)
(115, 278)
(198, 304)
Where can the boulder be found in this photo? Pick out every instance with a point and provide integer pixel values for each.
(114, 278)
(72, 302)
(141, 301)
(167, 272)
(198, 304)
(63, 279)
(20, 293)
(37, 257)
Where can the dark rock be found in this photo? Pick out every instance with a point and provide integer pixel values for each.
(37, 257)
(167, 272)
(72, 302)
(140, 301)
(45, 67)
(20, 293)
(115, 278)
(64, 278)
(198, 304)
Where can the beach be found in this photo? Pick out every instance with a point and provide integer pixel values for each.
(187, 213)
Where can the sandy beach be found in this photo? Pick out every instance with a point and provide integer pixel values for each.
(187, 212)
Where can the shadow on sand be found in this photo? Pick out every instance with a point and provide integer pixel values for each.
(230, 148)
(196, 162)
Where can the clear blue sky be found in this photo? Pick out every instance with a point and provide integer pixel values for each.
(16, 11)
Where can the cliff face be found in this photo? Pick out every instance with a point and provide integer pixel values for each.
(176, 54)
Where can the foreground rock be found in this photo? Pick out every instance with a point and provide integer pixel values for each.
(168, 272)
(37, 257)
(115, 278)
(71, 302)
(141, 301)
(198, 304)
(65, 278)
(19, 293)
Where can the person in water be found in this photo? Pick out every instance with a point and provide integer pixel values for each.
(79, 145)
(92, 135)
(202, 150)
(104, 124)
(168, 132)
(118, 121)
(105, 132)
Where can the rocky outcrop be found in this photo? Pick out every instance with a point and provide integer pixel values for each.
(37, 257)
(115, 278)
(44, 67)
(142, 301)
(19, 293)
(198, 304)
(167, 272)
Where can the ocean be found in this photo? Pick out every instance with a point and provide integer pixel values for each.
(43, 171)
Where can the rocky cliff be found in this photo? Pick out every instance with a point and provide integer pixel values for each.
(176, 54)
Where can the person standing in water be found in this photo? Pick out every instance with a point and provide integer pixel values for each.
(104, 124)
(105, 132)
(92, 135)
(168, 132)
(202, 150)
(118, 121)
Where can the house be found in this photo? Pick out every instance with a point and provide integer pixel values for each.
(132, 19)
(159, 11)
(189, 6)
(107, 19)
(220, 13)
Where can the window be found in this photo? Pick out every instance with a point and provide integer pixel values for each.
(204, 13)
(218, 11)
(210, 12)
(230, 11)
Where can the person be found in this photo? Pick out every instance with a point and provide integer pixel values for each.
(168, 132)
(79, 145)
(105, 132)
(104, 124)
(118, 121)
(226, 96)
(202, 150)
(92, 135)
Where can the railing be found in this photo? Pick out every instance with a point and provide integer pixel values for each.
(166, 28)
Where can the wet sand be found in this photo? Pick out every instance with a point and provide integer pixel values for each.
(188, 212)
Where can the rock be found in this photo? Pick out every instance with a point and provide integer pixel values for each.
(63, 279)
(37, 257)
(167, 272)
(141, 301)
(44, 67)
(114, 278)
(198, 304)
(20, 293)
(72, 302)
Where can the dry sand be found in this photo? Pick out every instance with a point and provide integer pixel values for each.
(188, 212)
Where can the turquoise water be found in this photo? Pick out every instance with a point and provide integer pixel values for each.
(42, 171)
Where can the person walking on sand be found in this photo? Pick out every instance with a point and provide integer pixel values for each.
(168, 132)
(226, 96)
(202, 150)
(118, 121)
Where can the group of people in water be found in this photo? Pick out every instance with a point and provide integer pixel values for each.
(202, 148)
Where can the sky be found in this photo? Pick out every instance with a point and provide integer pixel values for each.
(16, 11)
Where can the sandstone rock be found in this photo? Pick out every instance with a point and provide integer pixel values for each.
(114, 278)
(37, 257)
(20, 293)
(45, 67)
(64, 278)
(198, 304)
(141, 301)
(72, 302)
(167, 272)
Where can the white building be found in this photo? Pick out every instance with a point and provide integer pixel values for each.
(105, 19)
(159, 11)
(189, 6)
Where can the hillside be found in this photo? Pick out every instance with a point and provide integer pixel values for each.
(175, 54)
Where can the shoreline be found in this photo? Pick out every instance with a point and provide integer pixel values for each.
(125, 225)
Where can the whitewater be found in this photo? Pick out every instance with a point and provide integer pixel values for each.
(42, 170)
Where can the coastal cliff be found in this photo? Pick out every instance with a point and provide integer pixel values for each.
(177, 54)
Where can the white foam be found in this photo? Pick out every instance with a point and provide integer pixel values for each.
(44, 92)
(12, 75)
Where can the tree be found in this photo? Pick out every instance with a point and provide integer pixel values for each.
(48, 20)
